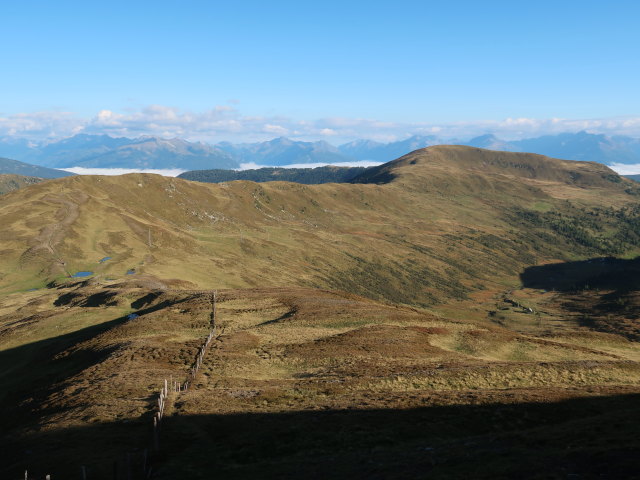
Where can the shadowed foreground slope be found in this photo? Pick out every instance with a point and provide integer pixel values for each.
(302, 380)
(589, 438)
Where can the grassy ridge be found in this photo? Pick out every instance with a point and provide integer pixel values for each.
(451, 222)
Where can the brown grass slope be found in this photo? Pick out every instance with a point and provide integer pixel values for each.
(452, 220)
(303, 381)
(451, 158)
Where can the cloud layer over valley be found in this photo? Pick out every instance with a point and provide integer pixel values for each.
(228, 123)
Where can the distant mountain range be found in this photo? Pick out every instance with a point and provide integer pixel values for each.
(385, 152)
(568, 146)
(103, 151)
(283, 151)
(14, 167)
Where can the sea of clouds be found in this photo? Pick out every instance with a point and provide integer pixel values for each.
(619, 168)
(174, 172)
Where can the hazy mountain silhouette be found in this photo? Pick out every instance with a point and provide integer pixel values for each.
(103, 151)
(8, 166)
(283, 151)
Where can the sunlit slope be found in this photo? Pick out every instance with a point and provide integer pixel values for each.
(416, 168)
(448, 220)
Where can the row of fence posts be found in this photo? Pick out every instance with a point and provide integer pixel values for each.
(26, 476)
(163, 395)
(159, 415)
(126, 465)
(178, 387)
(198, 363)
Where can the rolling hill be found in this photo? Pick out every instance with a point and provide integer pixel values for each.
(392, 240)
(455, 312)
(582, 146)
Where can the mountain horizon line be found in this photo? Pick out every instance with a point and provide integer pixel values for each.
(153, 152)
(448, 139)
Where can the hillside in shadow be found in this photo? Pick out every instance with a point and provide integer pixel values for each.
(605, 273)
(33, 371)
(604, 293)
(578, 438)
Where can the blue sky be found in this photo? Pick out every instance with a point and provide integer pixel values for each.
(333, 69)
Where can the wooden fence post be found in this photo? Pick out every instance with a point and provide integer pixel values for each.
(155, 433)
(145, 454)
(215, 294)
(129, 466)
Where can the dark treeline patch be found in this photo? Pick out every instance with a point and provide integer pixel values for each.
(604, 231)
(308, 176)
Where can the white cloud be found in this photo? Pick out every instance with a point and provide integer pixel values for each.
(625, 169)
(250, 166)
(225, 122)
(39, 125)
(276, 129)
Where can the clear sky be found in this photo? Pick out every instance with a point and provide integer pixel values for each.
(327, 68)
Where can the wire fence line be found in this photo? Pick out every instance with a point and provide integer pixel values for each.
(139, 464)
(177, 387)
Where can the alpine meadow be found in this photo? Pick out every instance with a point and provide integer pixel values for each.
(350, 241)
(454, 296)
